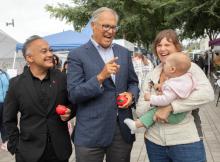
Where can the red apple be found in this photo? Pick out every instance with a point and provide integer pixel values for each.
(121, 100)
(61, 110)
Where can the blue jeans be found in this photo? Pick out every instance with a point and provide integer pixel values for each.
(193, 152)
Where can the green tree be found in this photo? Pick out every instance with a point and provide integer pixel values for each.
(151, 14)
(196, 18)
(138, 22)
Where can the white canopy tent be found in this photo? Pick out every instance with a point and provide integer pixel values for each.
(7, 45)
(125, 43)
(216, 48)
(7, 53)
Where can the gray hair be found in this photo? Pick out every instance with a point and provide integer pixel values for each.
(27, 44)
(97, 13)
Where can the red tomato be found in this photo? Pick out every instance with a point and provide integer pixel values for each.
(60, 109)
(121, 100)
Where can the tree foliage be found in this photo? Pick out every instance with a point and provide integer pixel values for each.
(197, 18)
(140, 20)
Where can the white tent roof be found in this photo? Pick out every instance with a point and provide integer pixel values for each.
(7, 45)
(125, 43)
(216, 48)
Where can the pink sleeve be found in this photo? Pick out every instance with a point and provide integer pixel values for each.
(183, 85)
(179, 87)
(165, 99)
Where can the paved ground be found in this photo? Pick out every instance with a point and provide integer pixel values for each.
(210, 116)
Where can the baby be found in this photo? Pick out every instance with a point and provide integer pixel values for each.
(179, 84)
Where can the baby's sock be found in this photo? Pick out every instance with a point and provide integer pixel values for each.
(131, 125)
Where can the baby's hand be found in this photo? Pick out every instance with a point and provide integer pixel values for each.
(151, 84)
(147, 96)
(158, 87)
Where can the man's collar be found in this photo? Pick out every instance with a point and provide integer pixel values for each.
(47, 77)
(98, 46)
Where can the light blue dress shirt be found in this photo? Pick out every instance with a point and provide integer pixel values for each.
(105, 53)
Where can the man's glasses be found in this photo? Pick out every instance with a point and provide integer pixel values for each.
(45, 50)
(107, 27)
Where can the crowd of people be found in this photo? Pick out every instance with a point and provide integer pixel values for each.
(204, 61)
(88, 85)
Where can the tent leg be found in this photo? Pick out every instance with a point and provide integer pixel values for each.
(15, 55)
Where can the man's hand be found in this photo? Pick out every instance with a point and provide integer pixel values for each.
(162, 114)
(147, 96)
(110, 67)
(128, 95)
(66, 116)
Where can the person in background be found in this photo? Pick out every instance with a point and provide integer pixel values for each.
(142, 65)
(57, 62)
(98, 72)
(200, 61)
(216, 59)
(4, 82)
(65, 65)
(71, 122)
(42, 135)
(180, 142)
(152, 58)
(216, 63)
(206, 63)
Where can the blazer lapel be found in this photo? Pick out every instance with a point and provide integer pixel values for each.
(119, 61)
(94, 54)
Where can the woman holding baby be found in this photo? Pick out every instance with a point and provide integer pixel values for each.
(168, 142)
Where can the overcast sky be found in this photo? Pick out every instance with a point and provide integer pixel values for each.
(30, 18)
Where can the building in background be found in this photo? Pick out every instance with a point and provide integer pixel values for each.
(7, 53)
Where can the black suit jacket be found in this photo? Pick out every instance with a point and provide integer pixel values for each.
(35, 122)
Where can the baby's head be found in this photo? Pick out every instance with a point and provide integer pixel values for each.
(176, 64)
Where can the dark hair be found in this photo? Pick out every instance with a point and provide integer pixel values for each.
(64, 66)
(55, 60)
(57, 63)
(28, 42)
(65, 63)
(170, 35)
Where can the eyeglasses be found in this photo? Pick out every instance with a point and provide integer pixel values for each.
(45, 50)
(107, 27)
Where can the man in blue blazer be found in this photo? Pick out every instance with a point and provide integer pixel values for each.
(98, 72)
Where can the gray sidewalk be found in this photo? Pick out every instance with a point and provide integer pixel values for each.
(210, 116)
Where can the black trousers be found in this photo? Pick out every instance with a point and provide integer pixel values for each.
(118, 151)
(2, 128)
(48, 155)
(197, 121)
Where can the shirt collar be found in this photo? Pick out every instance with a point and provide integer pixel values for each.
(47, 77)
(98, 46)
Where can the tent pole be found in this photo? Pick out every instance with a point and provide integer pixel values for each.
(15, 55)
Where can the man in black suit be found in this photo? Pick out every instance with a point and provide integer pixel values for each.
(43, 135)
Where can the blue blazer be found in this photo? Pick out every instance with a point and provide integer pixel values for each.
(97, 112)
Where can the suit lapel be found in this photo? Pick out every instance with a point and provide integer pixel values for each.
(117, 54)
(94, 54)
